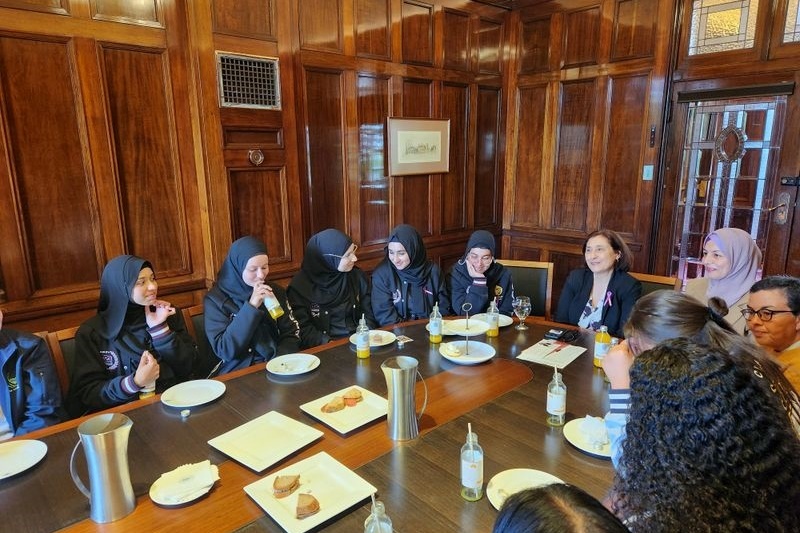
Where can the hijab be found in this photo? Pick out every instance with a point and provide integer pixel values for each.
(115, 308)
(419, 269)
(744, 257)
(484, 240)
(319, 280)
(229, 277)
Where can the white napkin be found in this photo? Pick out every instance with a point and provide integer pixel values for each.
(594, 430)
(185, 482)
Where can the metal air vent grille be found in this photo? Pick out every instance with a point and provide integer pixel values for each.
(247, 81)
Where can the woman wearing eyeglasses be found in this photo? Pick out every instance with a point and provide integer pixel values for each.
(477, 278)
(329, 294)
(730, 266)
(773, 318)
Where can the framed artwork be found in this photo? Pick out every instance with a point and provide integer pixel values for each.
(418, 146)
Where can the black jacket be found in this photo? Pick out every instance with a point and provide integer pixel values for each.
(390, 295)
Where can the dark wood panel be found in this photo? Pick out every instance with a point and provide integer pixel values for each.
(634, 29)
(581, 37)
(527, 200)
(415, 208)
(417, 32)
(324, 149)
(373, 108)
(49, 6)
(373, 28)
(53, 209)
(261, 207)
(621, 176)
(488, 180)
(417, 98)
(574, 160)
(145, 12)
(456, 39)
(247, 18)
(253, 137)
(320, 24)
(534, 46)
(147, 167)
(490, 46)
(455, 106)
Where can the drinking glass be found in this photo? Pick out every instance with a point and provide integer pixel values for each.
(522, 308)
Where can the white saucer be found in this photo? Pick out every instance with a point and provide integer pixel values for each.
(193, 393)
(292, 364)
(509, 482)
(18, 456)
(377, 337)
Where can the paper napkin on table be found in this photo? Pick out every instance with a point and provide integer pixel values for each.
(551, 353)
(594, 431)
(187, 480)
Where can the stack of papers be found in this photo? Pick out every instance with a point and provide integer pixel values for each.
(551, 353)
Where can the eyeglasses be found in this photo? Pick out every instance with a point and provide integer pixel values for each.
(764, 314)
(486, 259)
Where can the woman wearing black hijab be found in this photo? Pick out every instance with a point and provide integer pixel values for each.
(133, 341)
(329, 294)
(238, 325)
(477, 277)
(405, 285)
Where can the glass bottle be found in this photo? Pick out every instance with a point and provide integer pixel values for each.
(378, 521)
(273, 307)
(435, 325)
(362, 339)
(556, 400)
(602, 343)
(493, 318)
(472, 469)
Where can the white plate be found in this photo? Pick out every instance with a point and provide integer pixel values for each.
(574, 435)
(18, 456)
(169, 491)
(509, 482)
(370, 408)
(459, 327)
(504, 320)
(478, 352)
(265, 440)
(193, 393)
(377, 337)
(335, 486)
(293, 364)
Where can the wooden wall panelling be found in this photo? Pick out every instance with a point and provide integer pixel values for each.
(488, 169)
(373, 94)
(525, 193)
(581, 37)
(321, 25)
(455, 39)
(59, 7)
(416, 194)
(455, 188)
(254, 19)
(324, 103)
(534, 49)
(635, 29)
(144, 12)
(489, 44)
(373, 28)
(418, 30)
(49, 215)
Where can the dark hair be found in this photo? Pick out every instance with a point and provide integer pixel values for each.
(707, 447)
(625, 261)
(789, 285)
(556, 508)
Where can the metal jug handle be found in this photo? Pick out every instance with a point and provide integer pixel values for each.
(75, 477)
(425, 402)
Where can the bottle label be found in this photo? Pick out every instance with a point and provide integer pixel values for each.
(472, 469)
(601, 349)
(435, 327)
(556, 403)
(362, 341)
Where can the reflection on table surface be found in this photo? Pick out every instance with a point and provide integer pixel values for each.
(418, 480)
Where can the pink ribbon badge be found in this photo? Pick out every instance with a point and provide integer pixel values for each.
(607, 302)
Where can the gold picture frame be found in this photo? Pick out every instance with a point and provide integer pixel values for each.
(418, 146)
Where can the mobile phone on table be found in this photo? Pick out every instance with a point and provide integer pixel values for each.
(554, 334)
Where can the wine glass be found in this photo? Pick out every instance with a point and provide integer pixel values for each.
(522, 308)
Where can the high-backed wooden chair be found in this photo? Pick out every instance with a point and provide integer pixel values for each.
(535, 280)
(208, 364)
(651, 282)
(62, 348)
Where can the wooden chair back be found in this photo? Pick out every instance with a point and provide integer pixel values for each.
(533, 279)
(208, 363)
(652, 282)
(62, 348)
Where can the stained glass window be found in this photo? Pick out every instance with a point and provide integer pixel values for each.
(722, 25)
(791, 33)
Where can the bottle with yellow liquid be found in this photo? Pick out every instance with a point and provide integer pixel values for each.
(274, 307)
(435, 325)
(362, 339)
(493, 318)
(602, 344)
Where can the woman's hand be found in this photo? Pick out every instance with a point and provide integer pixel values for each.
(148, 370)
(261, 292)
(617, 365)
(472, 272)
(157, 313)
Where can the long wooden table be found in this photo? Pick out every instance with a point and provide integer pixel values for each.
(504, 399)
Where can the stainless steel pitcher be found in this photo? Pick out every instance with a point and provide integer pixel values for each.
(401, 376)
(105, 442)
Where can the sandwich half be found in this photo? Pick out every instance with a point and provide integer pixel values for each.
(285, 485)
(307, 505)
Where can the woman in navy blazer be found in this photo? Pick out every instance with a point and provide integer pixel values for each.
(602, 293)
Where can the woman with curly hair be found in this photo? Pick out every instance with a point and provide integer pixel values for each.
(663, 315)
(708, 447)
